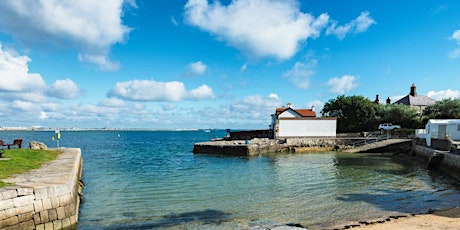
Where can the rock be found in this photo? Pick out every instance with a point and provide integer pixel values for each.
(37, 145)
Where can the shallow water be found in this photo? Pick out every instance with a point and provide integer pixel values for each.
(152, 180)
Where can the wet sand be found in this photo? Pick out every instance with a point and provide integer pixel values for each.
(445, 219)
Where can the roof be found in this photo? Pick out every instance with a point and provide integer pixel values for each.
(444, 121)
(301, 112)
(306, 112)
(420, 100)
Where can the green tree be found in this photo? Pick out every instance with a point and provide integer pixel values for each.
(399, 114)
(445, 109)
(353, 113)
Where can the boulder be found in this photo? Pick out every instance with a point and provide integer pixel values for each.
(37, 145)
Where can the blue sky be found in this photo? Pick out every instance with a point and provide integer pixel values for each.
(215, 64)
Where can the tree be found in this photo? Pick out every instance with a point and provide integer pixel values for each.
(403, 115)
(445, 109)
(353, 113)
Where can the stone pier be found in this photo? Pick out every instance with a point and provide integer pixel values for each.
(45, 198)
(240, 147)
(450, 163)
(263, 145)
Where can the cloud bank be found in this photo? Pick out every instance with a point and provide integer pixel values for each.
(444, 94)
(90, 26)
(150, 90)
(21, 90)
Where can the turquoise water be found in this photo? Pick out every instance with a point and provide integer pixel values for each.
(152, 180)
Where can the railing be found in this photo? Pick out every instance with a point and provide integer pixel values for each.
(370, 140)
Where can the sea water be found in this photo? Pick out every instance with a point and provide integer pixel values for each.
(152, 180)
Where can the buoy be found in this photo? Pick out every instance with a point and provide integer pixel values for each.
(118, 135)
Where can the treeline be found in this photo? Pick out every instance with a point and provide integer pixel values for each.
(358, 113)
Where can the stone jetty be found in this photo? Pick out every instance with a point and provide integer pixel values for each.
(258, 146)
(45, 198)
(240, 147)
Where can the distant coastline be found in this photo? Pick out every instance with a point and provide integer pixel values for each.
(100, 129)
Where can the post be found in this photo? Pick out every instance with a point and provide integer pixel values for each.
(58, 136)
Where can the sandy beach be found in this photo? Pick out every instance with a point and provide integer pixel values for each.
(445, 219)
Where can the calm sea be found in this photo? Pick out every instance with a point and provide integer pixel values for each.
(152, 180)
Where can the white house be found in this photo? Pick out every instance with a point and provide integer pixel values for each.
(439, 128)
(288, 122)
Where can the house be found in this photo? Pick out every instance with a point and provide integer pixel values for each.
(439, 128)
(289, 122)
(419, 102)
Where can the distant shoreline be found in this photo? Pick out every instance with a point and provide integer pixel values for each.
(102, 129)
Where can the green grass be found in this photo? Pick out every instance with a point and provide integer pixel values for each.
(23, 160)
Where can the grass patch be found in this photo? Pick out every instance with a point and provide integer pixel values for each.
(23, 160)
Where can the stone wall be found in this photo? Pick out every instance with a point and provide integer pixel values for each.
(46, 198)
(441, 144)
(450, 164)
(311, 142)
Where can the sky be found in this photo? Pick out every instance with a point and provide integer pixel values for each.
(188, 64)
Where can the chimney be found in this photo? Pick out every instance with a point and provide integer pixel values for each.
(312, 108)
(413, 90)
(388, 101)
(289, 105)
(377, 100)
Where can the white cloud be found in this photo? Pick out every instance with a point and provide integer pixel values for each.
(35, 96)
(273, 96)
(92, 26)
(101, 61)
(300, 73)
(358, 25)
(132, 3)
(271, 28)
(112, 102)
(200, 93)
(444, 94)
(342, 85)
(456, 36)
(149, 90)
(198, 68)
(256, 106)
(64, 89)
(363, 22)
(24, 106)
(14, 73)
(455, 53)
(43, 115)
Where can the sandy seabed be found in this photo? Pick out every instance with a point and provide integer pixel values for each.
(445, 219)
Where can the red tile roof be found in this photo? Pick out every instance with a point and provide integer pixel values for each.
(302, 112)
(306, 112)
